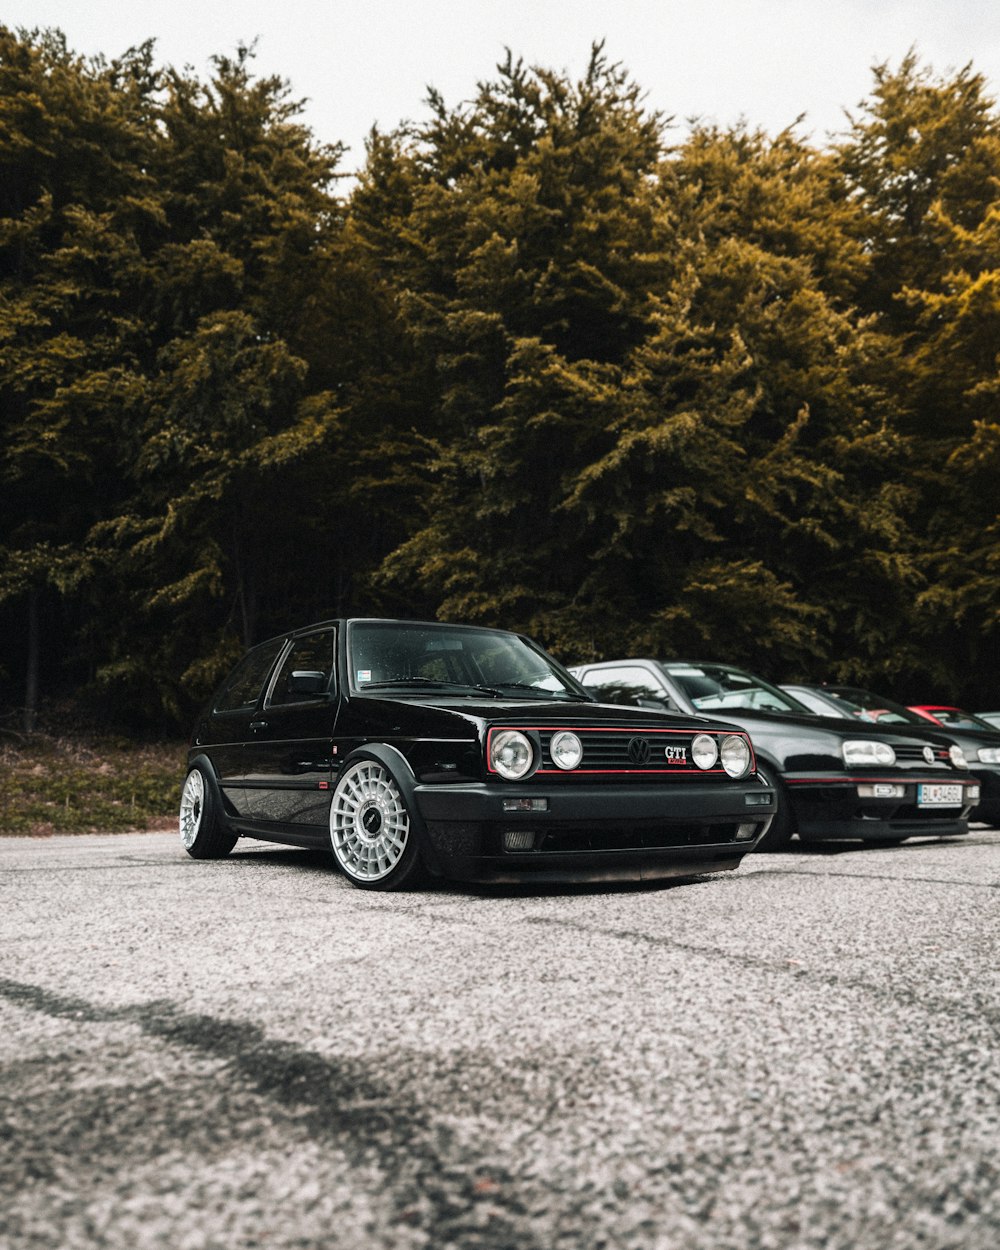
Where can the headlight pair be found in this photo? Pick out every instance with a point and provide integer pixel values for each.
(734, 753)
(511, 753)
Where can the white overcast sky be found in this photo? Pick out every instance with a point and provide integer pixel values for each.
(361, 62)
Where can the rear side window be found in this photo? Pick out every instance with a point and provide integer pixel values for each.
(243, 686)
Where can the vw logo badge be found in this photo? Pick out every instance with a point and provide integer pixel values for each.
(638, 751)
(929, 755)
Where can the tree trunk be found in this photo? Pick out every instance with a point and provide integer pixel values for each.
(31, 676)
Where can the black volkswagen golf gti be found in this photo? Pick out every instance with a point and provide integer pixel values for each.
(405, 746)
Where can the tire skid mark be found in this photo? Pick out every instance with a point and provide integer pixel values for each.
(977, 1009)
(875, 876)
(431, 1181)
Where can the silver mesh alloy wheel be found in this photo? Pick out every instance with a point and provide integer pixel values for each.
(192, 807)
(369, 823)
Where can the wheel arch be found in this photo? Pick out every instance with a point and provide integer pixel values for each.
(204, 764)
(397, 765)
(785, 820)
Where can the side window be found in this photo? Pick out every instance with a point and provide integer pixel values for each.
(243, 686)
(306, 671)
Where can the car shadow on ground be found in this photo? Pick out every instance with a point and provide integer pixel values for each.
(319, 861)
(857, 847)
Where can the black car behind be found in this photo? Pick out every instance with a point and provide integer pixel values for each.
(833, 779)
(404, 745)
(980, 746)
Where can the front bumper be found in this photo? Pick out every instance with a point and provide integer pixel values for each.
(592, 832)
(840, 807)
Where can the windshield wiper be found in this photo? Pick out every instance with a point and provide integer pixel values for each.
(431, 682)
(540, 691)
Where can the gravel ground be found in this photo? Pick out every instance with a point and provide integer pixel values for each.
(252, 1053)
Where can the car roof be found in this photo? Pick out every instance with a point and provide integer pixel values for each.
(341, 621)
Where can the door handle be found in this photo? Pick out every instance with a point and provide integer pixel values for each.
(258, 724)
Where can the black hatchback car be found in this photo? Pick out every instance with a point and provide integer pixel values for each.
(404, 745)
(980, 744)
(833, 779)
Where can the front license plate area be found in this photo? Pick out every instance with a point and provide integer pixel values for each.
(939, 796)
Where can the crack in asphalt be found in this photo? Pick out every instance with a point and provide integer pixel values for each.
(431, 1182)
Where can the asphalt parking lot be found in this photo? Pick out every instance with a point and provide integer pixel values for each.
(251, 1053)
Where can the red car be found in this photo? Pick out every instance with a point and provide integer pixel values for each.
(942, 714)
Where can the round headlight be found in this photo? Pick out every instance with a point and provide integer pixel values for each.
(867, 751)
(704, 751)
(735, 755)
(566, 749)
(510, 754)
(957, 756)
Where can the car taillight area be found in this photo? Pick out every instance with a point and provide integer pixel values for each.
(514, 753)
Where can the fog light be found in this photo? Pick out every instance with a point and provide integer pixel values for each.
(972, 793)
(745, 831)
(881, 790)
(525, 805)
(518, 839)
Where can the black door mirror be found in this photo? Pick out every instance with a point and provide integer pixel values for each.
(304, 681)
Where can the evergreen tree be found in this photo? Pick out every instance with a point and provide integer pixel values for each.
(923, 161)
(75, 202)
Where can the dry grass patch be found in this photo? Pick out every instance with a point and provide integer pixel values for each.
(60, 785)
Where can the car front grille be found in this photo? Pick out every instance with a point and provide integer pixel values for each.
(634, 751)
(911, 754)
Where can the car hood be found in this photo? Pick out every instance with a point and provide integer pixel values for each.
(547, 713)
(837, 726)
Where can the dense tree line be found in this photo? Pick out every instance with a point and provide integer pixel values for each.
(548, 364)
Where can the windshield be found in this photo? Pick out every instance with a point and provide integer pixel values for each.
(830, 703)
(879, 708)
(712, 687)
(417, 658)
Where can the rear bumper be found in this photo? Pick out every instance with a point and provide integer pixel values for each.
(832, 807)
(591, 832)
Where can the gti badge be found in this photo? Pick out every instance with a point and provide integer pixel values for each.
(677, 755)
(929, 755)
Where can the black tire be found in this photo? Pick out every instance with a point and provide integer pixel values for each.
(204, 834)
(372, 836)
(782, 826)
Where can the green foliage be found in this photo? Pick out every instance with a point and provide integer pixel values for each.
(549, 366)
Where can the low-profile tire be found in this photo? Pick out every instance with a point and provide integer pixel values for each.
(371, 830)
(779, 833)
(204, 834)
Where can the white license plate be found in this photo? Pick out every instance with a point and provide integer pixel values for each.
(939, 796)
